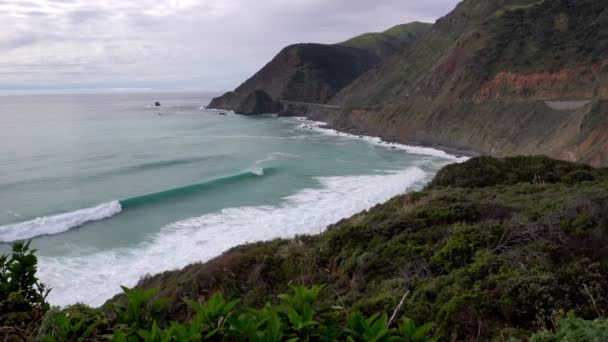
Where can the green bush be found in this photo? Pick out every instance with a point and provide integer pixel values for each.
(488, 171)
(22, 296)
(74, 323)
(575, 329)
(297, 317)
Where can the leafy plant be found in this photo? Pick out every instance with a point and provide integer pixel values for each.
(371, 329)
(140, 312)
(575, 329)
(74, 323)
(412, 333)
(22, 295)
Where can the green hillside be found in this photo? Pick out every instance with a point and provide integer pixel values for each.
(391, 41)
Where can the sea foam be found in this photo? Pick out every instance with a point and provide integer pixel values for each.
(93, 278)
(55, 224)
(319, 126)
(61, 223)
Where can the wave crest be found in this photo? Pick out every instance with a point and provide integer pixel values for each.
(92, 278)
(55, 224)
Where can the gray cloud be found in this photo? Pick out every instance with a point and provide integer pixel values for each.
(204, 44)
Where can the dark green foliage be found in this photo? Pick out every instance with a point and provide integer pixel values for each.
(22, 296)
(489, 251)
(298, 317)
(494, 247)
(73, 323)
(412, 333)
(545, 37)
(488, 171)
(575, 329)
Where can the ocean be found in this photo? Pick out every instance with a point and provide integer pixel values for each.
(110, 188)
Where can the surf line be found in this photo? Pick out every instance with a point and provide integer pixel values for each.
(60, 223)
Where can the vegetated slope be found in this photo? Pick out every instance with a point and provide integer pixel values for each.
(316, 72)
(387, 43)
(492, 248)
(481, 77)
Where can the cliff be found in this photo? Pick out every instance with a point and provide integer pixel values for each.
(494, 77)
(314, 73)
(500, 77)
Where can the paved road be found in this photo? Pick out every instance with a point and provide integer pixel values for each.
(310, 104)
(567, 104)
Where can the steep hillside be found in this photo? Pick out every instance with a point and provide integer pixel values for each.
(500, 77)
(389, 42)
(305, 73)
(491, 249)
(315, 72)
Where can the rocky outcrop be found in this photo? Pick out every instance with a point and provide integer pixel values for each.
(303, 72)
(314, 73)
(259, 102)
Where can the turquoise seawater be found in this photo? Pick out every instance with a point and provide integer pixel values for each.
(110, 188)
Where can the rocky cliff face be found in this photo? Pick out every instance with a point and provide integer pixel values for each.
(259, 102)
(315, 72)
(303, 72)
(498, 77)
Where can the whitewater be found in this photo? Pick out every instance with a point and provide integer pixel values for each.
(110, 191)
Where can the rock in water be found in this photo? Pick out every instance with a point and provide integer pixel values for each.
(259, 102)
(156, 104)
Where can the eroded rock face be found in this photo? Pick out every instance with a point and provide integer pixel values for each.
(229, 101)
(499, 77)
(259, 102)
(303, 72)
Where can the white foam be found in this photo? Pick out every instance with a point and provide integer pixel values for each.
(318, 126)
(49, 225)
(275, 155)
(14, 214)
(226, 111)
(94, 278)
(258, 171)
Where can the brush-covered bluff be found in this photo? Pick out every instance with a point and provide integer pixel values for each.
(491, 248)
(496, 77)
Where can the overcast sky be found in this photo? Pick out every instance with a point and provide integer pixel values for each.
(175, 44)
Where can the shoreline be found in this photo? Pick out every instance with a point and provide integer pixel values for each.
(307, 211)
(448, 153)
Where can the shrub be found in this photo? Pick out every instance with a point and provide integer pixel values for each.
(74, 323)
(22, 296)
(488, 171)
(575, 329)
